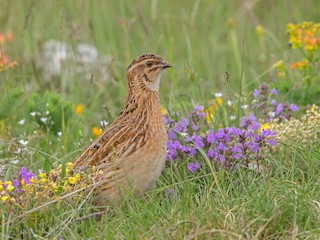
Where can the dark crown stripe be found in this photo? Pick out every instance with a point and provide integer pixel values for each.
(142, 58)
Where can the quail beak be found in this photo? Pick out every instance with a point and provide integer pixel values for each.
(165, 65)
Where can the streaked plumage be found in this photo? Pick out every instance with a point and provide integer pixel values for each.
(132, 151)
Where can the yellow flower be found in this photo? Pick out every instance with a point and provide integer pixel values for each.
(43, 180)
(100, 172)
(219, 100)
(304, 35)
(259, 30)
(4, 198)
(163, 111)
(33, 180)
(1, 187)
(10, 188)
(210, 112)
(52, 172)
(79, 109)
(69, 165)
(77, 176)
(8, 182)
(301, 65)
(96, 131)
(265, 126)
(43, 175)
(72, 180)
(23, 183)
(54, 186)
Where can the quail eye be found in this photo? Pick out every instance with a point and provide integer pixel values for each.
(149, 64)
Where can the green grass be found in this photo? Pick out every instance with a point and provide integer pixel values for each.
(203, 40)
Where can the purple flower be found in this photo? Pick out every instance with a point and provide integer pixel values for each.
(220, 158)
(211, 153)
(189, 150)
(294, 107)
(273, 102)
(15, 182)
(221, 146)
(171, 134)
(233, 131)
(192, 151)
(272, 142)
(172, 147)
(220, 133)
(250, 123)
(166, 121)
(266, 133)
(256, 93)
(258, 138)
(170, 193)
(25, 175)
(237, 151)
(199, 108)
(184, 149)
(274, 91)
(171, 155)
(279, 108)
(197, 140)
(182, 125)
(193, 167)
(253, 146)
(195, 127)
(177, 144)
(210, 137)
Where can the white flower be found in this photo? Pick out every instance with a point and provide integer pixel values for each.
(218, 94)
(271, 114)
(232, 117)
(47, 112)
(43, 119)
(21, 122)
(244, 106)
(23, 142)
(59, 134)
(184, 134)
(103, 123)
(33, 114)
(255, 167)
(229, 103)
(15, 161)
(17, 151)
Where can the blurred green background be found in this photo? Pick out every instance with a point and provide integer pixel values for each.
(203, 39)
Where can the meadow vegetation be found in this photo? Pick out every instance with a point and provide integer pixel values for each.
(241, 106)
